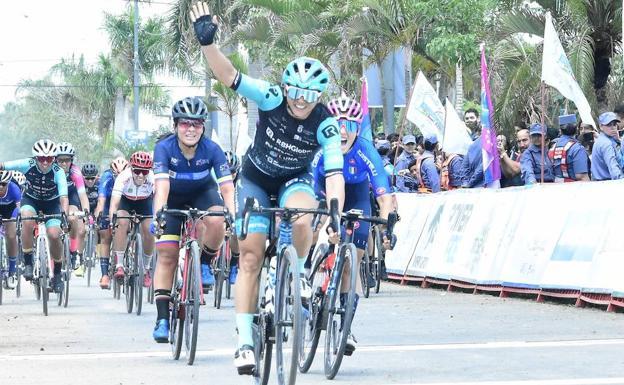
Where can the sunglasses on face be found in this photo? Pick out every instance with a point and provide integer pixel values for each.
(185, 124)
(45, 159)
(140, 171)
(349, 125)
(4, 184)
(309, 96)
(63, 160)
(89, 178)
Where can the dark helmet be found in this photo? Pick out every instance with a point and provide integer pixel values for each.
(89, 170)
(190, 108)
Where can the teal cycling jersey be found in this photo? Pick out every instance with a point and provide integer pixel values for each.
(43, 186)
(285, 146)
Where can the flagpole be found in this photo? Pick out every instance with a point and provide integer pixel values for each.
(543, 92)
(401, 129)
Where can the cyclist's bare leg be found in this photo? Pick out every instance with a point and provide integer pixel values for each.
(28, 228)
(78, 230)
(148, 243)
(165, 266)
(56, 248)
(121, 237)
(249, 265)
(346, 284)
(10, 239)
(213, 230)
(302, 227)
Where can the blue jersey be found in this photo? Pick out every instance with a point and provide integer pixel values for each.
(43, 186)
(285, 146)
(361, 163)
(105, 187)
(188, 175)
(13, 194)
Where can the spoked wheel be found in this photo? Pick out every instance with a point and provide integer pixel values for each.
(219, 272)
(379, 257)
(139, 275)
(339, 316)
(288, 317)
(67, 271)
(90, 255)
(42, 288)
(116, 287)
(176, 329)
(364, 273)
(128, 280)
(193, 299)
(4, 274)
(263, 347)
(313, 315)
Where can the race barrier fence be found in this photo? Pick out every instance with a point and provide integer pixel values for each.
(555, 240)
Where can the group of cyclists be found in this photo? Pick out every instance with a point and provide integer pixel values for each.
(304, 151)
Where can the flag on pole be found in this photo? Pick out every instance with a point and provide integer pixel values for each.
(489, 151)
(425, 109)
(456, 139)
(366, 130)
(557, 72)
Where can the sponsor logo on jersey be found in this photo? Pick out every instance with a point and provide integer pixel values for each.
(201, 162)
(330, 131)
(353, 170)
(381, 190)
(224, 167)
(174, 161)
(269, 132)
(368, 162)
(300, 128)
(291, 147)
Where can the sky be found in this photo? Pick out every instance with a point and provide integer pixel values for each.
(36, 34)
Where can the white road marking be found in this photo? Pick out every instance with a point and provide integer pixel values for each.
(361, 349)
(567, 381)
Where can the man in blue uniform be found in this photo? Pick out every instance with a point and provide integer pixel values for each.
(423, 168)
(408, 156)
(569, 157)
(531, 159)
(606, 159)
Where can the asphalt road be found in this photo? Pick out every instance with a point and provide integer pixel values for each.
(406, 335)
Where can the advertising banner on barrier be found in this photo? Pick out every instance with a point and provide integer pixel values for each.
(424, 250)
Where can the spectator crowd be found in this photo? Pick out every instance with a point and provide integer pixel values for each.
(571, 152)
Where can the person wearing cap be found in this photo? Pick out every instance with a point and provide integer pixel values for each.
(568, 156)
(531, 159)
(403, 161)
(606, 159)
(423, 168)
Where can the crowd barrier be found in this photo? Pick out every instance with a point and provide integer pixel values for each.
(555, 240)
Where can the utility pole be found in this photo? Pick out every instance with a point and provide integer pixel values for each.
(136, 65)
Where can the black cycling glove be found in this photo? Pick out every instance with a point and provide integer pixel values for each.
(205, 30)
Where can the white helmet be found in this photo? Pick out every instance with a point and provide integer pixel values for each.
(44, 147)
(19, 178)
(65, 148)
(5, 176)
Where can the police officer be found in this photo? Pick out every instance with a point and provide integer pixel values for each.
(424, 168)
(568, 156)
(403, 161)
(531, 159)
(605, 156)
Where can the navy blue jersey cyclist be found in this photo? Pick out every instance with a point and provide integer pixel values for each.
(46, 192)
(292, 126)
(183, 166)
(10, 197)
(363, 168)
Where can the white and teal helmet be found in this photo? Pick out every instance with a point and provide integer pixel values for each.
(65, 148)
(44, 147)
(307, 73)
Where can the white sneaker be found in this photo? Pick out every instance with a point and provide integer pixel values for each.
(245, 360)
(351, 345)
(305, 289)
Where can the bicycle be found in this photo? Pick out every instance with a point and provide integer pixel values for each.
(133, 262)
(186, 291)
(221, 269)
(42, 259)
(90, 248)
(150, 289)
(325, 310)
(283, 324)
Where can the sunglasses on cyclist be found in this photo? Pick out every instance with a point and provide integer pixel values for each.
(63, 159)
(4, 184)
(185, 124)
(309, 96)
(349, 125)
(45, 159)
(140, 171)
(89, 178)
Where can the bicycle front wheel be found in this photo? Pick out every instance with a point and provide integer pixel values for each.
(67, 271)
(378, 257)
(176, 331)
(219, 272)
(42, 258)
(139, 270)
(340, 315)
(193, 298)
(288, 317)
(128, 279)
(364, 273)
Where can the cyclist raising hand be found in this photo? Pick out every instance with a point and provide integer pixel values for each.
(292, 126)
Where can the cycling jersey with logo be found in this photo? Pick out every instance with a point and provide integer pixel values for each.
(105, 187)
(39, 185)
(285, 146)
(361, 162)
(75, 180)
(92, 195)
(186, 175)
(124, 185)
(12, 195)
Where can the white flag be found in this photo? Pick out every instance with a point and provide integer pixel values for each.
(425, 109)
(456, 138)
(556, 72)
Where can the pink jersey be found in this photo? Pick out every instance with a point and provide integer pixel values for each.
(75, 178)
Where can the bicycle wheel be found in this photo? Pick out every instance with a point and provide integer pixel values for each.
(20, 267)
(176, 331)
(337, 332)
(263, 347)
(219, 272)
(193, 299)
(364, 273)
(67, 271)
(150, 290)
(288, 317)
(139, 270)
(3, 271)
(90, 255)
(43, 273)
(313, 317)
(379, 257)
(128, 280)
(116, 285)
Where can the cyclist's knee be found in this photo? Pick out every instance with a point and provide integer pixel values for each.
(54, 233)
(249, 262)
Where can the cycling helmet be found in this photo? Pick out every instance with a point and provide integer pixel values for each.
(89, 170)
(44, 147)
(118, 165)
(5, 176)
(190, 108)
(345, 108)
(65, 148)
(19, 178)
(306, 73)
(233, 161)
(141, 159)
